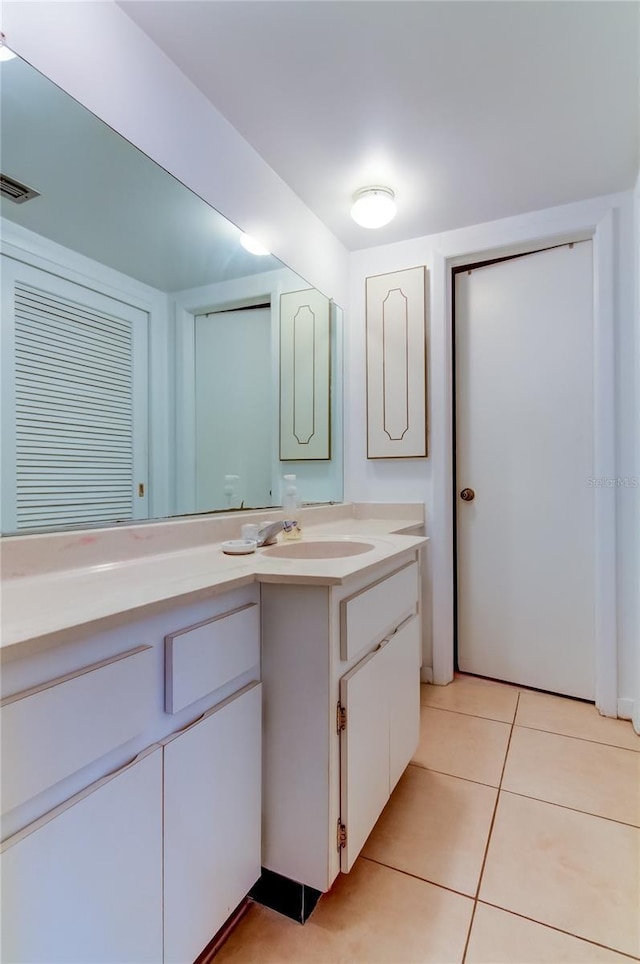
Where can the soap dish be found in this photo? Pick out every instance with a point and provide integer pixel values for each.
(239, 547)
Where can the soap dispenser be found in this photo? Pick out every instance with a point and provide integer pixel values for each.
(291, 509)
(230, 489)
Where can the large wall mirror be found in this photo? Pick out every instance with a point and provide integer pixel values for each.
(147, 366)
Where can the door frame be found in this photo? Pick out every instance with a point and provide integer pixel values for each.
(495, 241)
(258, 289)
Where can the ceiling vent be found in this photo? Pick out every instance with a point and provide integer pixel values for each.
(15, 191)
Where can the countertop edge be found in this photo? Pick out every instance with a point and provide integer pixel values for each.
(248, 570)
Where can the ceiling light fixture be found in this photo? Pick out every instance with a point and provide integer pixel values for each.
(373, 207)
(253, 246)
(5, 52)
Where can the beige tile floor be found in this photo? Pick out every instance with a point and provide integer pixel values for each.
(513, 838)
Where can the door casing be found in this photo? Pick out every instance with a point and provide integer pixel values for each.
(509, 239)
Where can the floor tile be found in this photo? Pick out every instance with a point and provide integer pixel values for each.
(556, 714)
(435, 827)
(474, 696)
(463, 746)
(501, 938)
(571, 870)
(371, 915)
(599, 779)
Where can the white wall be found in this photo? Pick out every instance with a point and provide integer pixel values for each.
(99, 56)
(419, 480)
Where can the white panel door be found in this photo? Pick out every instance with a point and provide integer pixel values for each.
(74, 403)
(524, 445)
(364, 751)
(212, 822)
(233, 408)
(83, 885)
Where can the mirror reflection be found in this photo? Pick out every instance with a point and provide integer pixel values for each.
(148, 369)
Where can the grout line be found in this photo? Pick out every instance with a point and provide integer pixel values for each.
(563, 806)
(454, 776)
(466, 943)
(486, 849)
(475, 716)
(424, 880)
(538, 729)
(559, 930)
(570, 736)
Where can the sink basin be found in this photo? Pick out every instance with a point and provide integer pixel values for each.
(318, 550)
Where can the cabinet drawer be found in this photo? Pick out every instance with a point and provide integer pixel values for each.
(53, 730)
(371, 614)
(202, 658)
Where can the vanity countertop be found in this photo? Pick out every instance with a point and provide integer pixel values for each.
(44, 608)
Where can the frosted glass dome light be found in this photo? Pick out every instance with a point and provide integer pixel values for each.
(254, 247)
(373, 207)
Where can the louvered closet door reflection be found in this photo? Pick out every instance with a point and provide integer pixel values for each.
(75, 403)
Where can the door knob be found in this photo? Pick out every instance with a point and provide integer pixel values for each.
(467, 495)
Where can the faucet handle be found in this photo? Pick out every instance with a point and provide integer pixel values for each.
(268, 532)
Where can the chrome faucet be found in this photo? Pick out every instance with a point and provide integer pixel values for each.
(268, 531)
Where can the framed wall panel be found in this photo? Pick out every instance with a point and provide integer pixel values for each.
(396, 365)
(305, 373)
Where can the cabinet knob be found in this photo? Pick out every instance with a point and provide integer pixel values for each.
(467, 495)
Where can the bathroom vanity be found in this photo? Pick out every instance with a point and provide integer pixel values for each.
(341, 672)
(135, 813)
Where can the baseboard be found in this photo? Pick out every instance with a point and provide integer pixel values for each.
(625, 709)
(212, 948)
(426, 674)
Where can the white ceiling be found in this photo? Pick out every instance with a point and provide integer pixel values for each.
(470, 111)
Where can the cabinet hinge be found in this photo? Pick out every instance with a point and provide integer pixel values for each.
(342, 836)
(341, 718)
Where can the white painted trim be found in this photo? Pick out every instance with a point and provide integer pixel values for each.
(472, 245)
(185, 422)
(441, 381)
(604, 460)
(625, 709)
(426, 674)
(48, 255)
(636, 226)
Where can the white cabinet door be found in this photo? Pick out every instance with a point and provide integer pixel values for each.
(381, 696)
(527, 593)
(364, 752)
(84, 883)
(212, 822)
(402, 654)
